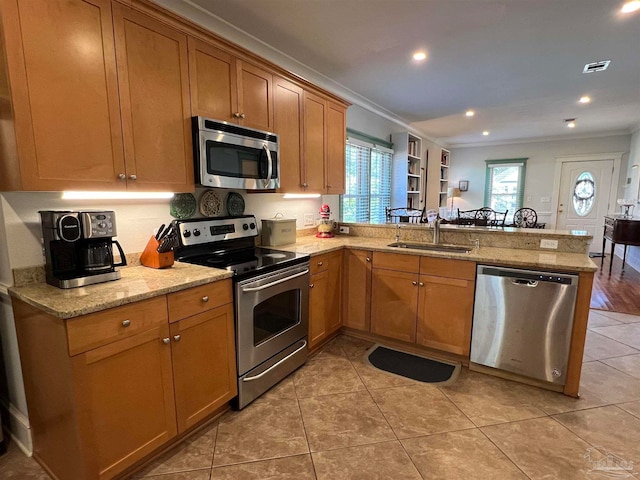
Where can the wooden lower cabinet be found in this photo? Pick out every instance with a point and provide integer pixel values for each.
(394, 304)
(125, 399)
(356, 280)
(203, 353)
(325, 297)
(112, 387)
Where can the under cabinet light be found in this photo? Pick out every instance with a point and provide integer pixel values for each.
(76, 195)
(301, 195)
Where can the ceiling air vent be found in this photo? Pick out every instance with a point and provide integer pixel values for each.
(596, 66)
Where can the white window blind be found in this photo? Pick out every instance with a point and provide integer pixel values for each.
(367, 183)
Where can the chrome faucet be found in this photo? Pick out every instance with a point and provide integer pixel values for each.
(398, 233)
(436, 230)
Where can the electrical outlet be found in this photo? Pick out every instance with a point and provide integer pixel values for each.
(344, 230)
(308, 219)
(549, 244)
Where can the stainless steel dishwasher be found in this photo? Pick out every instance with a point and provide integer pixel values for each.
(522, 321)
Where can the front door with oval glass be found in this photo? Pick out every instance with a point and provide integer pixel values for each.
(585, 188)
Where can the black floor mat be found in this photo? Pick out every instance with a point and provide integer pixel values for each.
(410, 366)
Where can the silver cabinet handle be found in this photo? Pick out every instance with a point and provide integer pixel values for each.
(368, 259)
(126, 323)
(421, 284)
(414, 283)
(305, 184)
(166, 340)
(320, 264)
(260, 375)
(133, 177)
(236, 115)
(122, 176)
(312, 285)
(176, 338)
(242, 115)
(205, 299)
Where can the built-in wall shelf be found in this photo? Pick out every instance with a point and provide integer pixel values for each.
(444, 176)
(409, 173)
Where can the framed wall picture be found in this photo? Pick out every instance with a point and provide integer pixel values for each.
(463, 185)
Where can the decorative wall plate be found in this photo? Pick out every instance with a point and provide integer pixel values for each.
(235, 204)
(183, 205)
(210, 204)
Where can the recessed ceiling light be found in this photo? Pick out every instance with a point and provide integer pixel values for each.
(420, 55)
(631, 6)
(585, 99)
(570, 122)
(470, 113)
(485, 133)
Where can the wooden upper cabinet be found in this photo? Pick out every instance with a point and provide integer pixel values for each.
(226, 88)
(314, 142)
(336, 147)
(255, 96)
(153, 77)
(287, 123)
(62, 71)
(212, 76)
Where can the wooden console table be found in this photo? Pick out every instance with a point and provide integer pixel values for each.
(625, 231)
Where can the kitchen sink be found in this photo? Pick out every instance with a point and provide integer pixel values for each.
(432, 247)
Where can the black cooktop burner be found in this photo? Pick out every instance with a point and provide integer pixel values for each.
(249, 262)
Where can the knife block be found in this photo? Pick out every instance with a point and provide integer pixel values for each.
(151, 258)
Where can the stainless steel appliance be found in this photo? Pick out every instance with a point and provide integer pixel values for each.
(231, 156)
(271, 296)
(78, 247)
(522, 321)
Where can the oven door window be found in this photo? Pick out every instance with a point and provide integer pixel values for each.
(238, 161)
(275, 315)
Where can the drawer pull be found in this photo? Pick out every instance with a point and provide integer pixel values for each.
(205, 299)
(311, 286)
(126, 323)
(368, 259)
(320, 264)
(176, 338)
(166, 340)
(414, 283)
(421, 284)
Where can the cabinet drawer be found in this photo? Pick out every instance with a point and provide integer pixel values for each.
(395, 261)
(199, 299)
(322, 262)
(97, 329)
(444, 267)
(608, 221)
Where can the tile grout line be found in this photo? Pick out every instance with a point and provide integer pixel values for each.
(503, 452)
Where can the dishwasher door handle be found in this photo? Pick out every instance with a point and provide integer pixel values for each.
(524, 283)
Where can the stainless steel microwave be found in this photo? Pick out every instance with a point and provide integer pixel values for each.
(232, 156)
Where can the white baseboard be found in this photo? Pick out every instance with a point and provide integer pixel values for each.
(19, 428)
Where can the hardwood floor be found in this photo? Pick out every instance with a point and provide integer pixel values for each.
(618, 292)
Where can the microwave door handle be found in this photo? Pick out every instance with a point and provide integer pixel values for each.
(269, 166)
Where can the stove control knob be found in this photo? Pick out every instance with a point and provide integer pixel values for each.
(186, 234)
(196, 232)
(252, 226)
(245, 226)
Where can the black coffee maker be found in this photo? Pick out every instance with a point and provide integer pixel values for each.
(78, 247)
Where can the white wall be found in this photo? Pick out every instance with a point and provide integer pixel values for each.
(632, 190)
(469, 164)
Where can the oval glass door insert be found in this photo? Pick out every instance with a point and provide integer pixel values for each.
(584, 193)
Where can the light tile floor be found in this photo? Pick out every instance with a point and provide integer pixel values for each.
(339, 418)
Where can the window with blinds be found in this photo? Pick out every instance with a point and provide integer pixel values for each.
(504, 185)
(367, 183)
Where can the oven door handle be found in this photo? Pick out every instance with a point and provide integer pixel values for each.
(268, 285)
(260, 375)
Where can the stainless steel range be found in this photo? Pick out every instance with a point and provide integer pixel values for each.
(271, 295)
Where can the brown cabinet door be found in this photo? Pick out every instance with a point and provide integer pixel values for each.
(255, 96)
(445, 313)
(336, 147)
(153, 76)
(125, 399)
(204, 364)
(287, 123)
(62, 68)
(394, 304)
(314, 143)
(318, 308)
(212, 76)
(357, 282)
(334, 293)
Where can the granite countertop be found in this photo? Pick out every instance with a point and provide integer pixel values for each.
(510, 257)
(137, 283)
